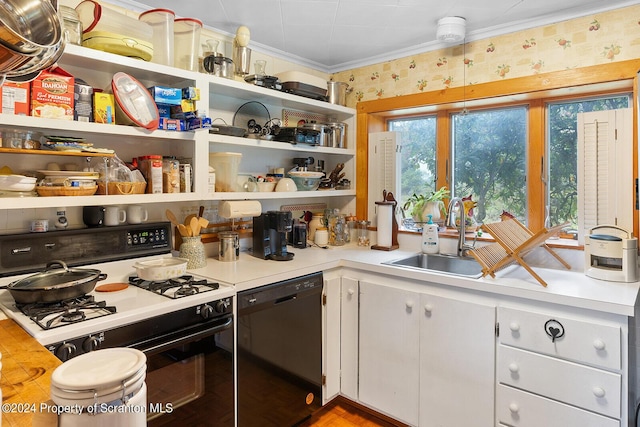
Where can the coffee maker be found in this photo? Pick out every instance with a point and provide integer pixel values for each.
(270, 235)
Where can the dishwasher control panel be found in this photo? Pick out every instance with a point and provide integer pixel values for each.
(279, 292)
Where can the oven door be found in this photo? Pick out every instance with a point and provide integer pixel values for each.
(190, 376)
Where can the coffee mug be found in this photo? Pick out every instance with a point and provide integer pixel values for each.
(114, 215)
(136, 214)
(93, 216)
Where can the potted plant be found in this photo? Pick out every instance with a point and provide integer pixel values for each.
(420, 206)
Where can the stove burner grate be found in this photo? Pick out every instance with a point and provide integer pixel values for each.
(177, 287)
(66, 312)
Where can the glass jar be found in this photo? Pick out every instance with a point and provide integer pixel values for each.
(363, 232)
(192, 249)
(71, 24)
(170, 175)
(337, 228)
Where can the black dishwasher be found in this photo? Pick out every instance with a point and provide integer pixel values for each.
(279, 359)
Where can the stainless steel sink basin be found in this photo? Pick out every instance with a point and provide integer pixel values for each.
(459, 266)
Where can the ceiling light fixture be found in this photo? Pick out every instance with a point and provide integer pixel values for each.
(451, 29)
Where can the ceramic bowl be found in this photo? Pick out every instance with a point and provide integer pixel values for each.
(266, 187)
(286, 184)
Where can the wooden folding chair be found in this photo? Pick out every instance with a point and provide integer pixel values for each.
(513, 242)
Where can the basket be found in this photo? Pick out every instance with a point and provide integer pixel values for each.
(45, 191)
(120, 188)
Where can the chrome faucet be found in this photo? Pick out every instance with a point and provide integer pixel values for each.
(451, 222)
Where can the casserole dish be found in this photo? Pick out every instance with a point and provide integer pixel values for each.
(161, 269)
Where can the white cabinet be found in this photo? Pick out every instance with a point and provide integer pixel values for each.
(330, 336)
(457, 353)
(349, 337)
(425, 358)
(221, 97)
(389, 350)
(564, 367)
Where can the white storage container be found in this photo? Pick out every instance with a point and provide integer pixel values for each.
(186, 42)
(110, 31)
(107, 385)
(161, 21)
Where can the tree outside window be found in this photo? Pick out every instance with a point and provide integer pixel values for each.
(489, 161)
(417, 156)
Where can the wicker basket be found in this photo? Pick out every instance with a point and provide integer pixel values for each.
(119, 188)
(45, 191)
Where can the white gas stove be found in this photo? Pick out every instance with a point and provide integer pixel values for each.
(124, 311)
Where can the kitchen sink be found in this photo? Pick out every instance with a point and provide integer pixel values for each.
(459, 266)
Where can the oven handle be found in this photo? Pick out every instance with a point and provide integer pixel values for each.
(157, 347)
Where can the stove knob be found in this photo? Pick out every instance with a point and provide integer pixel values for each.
(222, 305)
(90, 344)
(206, 311)
(66, 351)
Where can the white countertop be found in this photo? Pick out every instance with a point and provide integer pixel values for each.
(567, 287)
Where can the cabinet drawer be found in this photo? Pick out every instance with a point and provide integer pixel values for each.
(582, 341)
(588, 388)
(520, 409)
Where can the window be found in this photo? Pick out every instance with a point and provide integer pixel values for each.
(489, 161)
(488, 151)
(562, 191)
(417, 156)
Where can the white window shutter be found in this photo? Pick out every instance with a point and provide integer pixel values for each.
(605, 170)
(383, 160)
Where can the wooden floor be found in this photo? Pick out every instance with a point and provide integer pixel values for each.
(342, 413)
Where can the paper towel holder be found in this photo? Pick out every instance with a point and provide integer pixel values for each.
(388, 199)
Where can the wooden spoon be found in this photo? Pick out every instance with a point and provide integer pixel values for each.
(187, 220)
(195, 226)
(183, 230)
(204, 222)
(171, 217)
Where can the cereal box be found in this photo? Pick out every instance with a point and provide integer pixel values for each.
(104, 108)
(15, 98)
(52, 95)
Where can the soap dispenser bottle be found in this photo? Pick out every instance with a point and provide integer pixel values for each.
(430, 242)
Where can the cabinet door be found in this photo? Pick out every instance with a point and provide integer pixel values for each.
(349, 338)
(330, 337)
(457, 353)
(389, 351)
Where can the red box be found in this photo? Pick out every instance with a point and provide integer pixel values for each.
(15, 98)
(52, 95)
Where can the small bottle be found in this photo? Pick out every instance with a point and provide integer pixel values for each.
(430, 242)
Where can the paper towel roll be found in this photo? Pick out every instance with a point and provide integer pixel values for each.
(239, 208)
(385, 221)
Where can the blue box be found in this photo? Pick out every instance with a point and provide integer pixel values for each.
(171, 124)
(164, 110)
(199, 123)
(166, 95)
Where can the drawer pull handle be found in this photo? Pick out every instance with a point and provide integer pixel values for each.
(513, 367)
(428, 308)
(515, 327)
(598, 392)
(514, 408)
(599, 344)
(351, 291)
(409, 304)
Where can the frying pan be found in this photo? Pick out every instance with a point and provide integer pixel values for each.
(54, 284)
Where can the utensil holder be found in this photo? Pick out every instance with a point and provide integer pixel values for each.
(192, 249)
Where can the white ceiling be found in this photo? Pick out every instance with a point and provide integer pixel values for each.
(335, 35)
